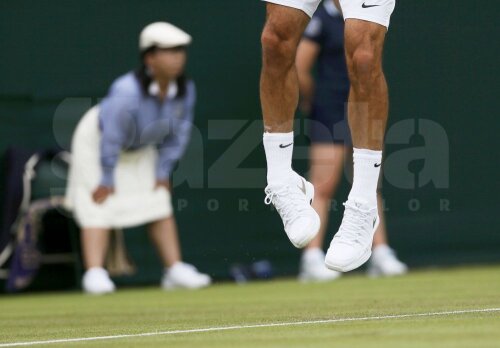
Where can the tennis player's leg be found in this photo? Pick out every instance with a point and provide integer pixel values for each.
(365, 29)
(290, 193)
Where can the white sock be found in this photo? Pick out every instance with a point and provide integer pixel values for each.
(366, 171)
(279, 150)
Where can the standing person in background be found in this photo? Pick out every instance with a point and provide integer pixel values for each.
(123, 156)
(324, 99)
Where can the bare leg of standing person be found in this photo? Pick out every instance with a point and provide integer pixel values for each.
(95, 242)
(164, 235)
(177, 274)
(327, 161)
(384, 261)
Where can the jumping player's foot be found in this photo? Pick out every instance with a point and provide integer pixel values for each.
(352, 244)
(292, 199)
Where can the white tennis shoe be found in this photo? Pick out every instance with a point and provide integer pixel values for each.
(184, 276)
(96, 281)
(352, 244)
(313, 269)
(292, 199)
(384, 263)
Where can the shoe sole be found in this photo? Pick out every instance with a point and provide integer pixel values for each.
(171, 286)
(378, 273)
(360, 261)
(305, 242)
(98, 293)
(310, 279)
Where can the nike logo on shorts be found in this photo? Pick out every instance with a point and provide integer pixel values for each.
(368, 6)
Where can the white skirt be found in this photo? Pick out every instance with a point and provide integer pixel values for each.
(135, 200)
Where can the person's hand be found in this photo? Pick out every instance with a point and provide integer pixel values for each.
(102, 193)
(163, 183)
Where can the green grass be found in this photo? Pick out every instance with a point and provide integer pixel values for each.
(70, 315)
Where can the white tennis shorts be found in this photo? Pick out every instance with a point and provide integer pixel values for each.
(376, 11)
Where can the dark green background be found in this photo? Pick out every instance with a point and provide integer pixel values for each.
(441, 62)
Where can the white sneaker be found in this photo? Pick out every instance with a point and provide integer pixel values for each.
(352, 244)
(312, 267)
(292, 199)
(384, 263)
(96, 281)
(184, 276)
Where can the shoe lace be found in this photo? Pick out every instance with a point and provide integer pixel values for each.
(353, 224)
(289, 202)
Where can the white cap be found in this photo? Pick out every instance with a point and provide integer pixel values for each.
(163, 35)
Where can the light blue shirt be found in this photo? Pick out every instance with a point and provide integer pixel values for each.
(130, 119)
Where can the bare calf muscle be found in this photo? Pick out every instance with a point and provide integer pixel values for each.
(368, 102)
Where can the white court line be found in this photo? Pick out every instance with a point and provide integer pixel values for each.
(241, 327)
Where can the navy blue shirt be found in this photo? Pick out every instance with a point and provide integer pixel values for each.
(327, 30)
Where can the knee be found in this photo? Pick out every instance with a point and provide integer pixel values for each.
(277, 48)
(364, 67)
(324, 188)
(324, 192)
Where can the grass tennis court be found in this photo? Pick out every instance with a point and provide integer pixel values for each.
(412, 311)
